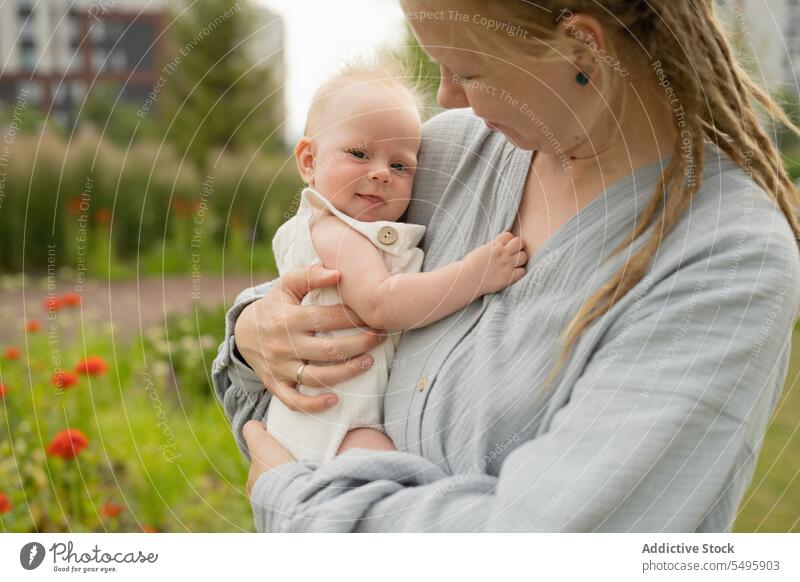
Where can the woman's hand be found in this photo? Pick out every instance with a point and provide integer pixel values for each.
(275, 333)
(266, 452)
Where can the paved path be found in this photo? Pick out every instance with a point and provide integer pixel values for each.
(130, 305)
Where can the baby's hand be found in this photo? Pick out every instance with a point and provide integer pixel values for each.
(499, 263)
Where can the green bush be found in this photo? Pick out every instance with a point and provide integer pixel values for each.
(140, 209)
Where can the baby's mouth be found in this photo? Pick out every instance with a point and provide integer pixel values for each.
(375, 200)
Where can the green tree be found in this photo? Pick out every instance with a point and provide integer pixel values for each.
(114, 118)
(424, 72)
(214, 96)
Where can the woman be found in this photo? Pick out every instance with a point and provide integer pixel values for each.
(625, 383)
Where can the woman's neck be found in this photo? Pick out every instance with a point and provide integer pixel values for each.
(641, 134)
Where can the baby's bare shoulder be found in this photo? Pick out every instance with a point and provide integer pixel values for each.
(329, 227)
(330, 236)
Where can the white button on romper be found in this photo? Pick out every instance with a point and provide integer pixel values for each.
(316, 437)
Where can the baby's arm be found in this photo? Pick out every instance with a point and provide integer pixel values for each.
(410, 300)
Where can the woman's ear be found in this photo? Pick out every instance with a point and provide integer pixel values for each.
(304, 154)
(588, 31)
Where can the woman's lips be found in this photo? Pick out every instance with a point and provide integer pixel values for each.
(374, 200)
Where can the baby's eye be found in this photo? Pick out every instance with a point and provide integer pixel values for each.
(400, 167)
(360, 154)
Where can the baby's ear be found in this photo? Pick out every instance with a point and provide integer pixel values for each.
(304, 153)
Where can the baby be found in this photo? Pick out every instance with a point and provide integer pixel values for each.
(358, 158)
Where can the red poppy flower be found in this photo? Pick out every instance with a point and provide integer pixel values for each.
(12, 353)
(111, 509)
(67, 444)
(5, 503)
(71, 299)
(3, 391)
(92, 366)
(33, 326)
(183, 207)
(64, 379)
(103, 216)
(52, 304)
(74, 205)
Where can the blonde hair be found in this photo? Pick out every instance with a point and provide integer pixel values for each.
(716, 93)
(381, 67)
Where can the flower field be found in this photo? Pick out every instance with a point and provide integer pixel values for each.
(102, 433)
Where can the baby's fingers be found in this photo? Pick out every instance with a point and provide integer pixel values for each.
(514, 244)
(504, 238)
(520, 259)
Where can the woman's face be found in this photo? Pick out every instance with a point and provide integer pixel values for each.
(543, 109)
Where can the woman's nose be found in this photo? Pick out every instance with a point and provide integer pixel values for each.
(451, 94)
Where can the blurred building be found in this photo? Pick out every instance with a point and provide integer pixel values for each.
(55, 51)
(767, 36)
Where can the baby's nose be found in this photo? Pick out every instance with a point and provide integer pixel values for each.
(380, 175)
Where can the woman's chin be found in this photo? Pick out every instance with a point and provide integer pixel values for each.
(519, 141)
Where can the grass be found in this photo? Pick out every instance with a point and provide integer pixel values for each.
(159, 446)
(772, 504)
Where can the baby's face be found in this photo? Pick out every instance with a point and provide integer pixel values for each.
(366, 156)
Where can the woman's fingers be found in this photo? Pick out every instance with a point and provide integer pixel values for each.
(317, 376)
(275, 332)
(325, 317)
(297, 402)
(338, 348)
(296, 284)
(327, 376)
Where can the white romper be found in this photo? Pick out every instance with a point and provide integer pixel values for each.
(316, 437)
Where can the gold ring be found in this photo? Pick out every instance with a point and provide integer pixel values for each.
(299, 374)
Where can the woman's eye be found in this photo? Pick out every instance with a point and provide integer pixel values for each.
(357, 153)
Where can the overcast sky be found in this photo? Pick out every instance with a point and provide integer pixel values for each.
(318, 32)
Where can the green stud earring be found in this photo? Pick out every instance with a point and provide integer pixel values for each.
(582, 79)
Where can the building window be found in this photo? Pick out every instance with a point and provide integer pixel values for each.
(75, 62)
(27, 22)
(117, 63)
(27, 56)
(98, 31)
(77, 91)
(98, 59)
(34, 91)
(73, 24)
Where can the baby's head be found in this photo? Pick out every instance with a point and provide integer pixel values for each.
(361, 141)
